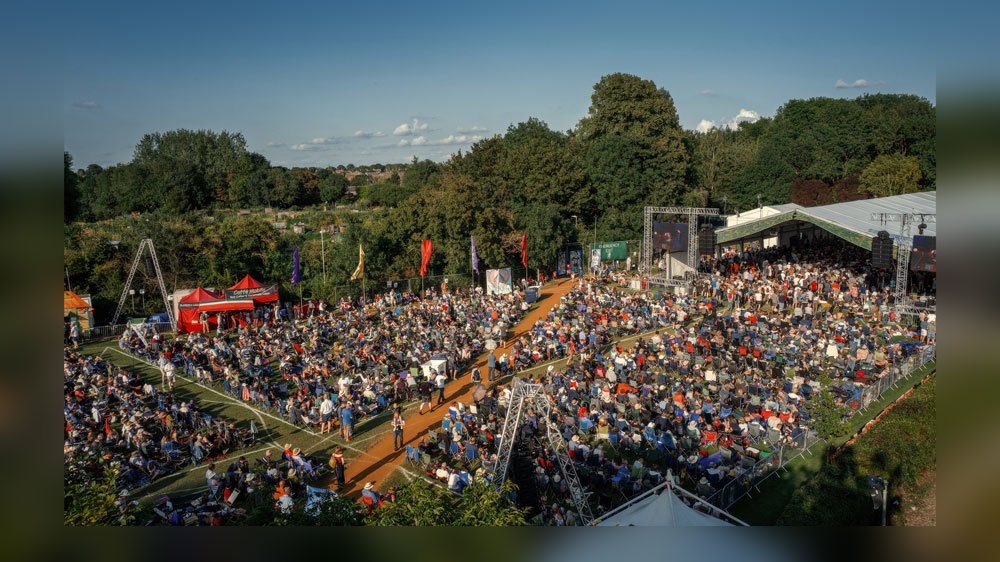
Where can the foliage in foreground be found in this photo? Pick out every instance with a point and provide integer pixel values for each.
(900, 448)
(96, 502)
(420, 503)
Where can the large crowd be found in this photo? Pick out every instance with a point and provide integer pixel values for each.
(712, 381)
(719, 379)
(114, 419)
(364, 358)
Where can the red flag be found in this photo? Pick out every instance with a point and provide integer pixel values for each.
(425, 256)
(298, 348)
(524, 249)
(107, 427)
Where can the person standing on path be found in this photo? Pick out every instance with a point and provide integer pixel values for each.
(426, 389)
(441, 381)
(337, 464)
(397, 429)
(491, 364)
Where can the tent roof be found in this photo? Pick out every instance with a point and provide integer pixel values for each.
(199, 295)
(662, 510)
(851, 221)
(73, 300)
(225, 305)
(246, 283)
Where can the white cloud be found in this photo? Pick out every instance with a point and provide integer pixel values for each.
(467, 130)
(87, 104)
(362, 134)
(458, 139)
(743, 116)
(410, 128)
(275, 144)
(306, 146)
(316, 144)
(418, 141)
(840, 85)
(709, 93)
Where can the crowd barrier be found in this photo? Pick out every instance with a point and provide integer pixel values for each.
(898, 371)
(102, 332)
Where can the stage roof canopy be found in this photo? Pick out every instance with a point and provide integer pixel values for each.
(851, 221)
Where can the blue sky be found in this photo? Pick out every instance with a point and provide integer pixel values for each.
(324, 83)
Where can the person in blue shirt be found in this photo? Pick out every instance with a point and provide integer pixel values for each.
(347, 422)
(491, 363)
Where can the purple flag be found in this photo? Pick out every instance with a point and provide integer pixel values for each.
(475, 258)
(296, 270)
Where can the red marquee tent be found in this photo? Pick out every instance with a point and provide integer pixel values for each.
(248, 287)
(188, 310)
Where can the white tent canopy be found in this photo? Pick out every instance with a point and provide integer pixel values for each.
(661, 507)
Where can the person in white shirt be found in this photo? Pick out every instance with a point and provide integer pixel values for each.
(326, 414)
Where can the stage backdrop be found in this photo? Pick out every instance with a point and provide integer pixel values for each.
(669, 236)
(924, 254)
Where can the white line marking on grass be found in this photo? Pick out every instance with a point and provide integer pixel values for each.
(212, 390)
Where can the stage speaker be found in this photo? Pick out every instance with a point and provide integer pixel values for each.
(882, 250)
(706, 240)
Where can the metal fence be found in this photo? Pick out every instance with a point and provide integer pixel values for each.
(752, 474)
(898, 371)
(102, 332)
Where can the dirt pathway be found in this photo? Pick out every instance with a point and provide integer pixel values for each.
(380, 460)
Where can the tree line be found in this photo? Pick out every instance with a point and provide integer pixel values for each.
(628, 151)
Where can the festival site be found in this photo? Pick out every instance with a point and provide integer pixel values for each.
(643, 314)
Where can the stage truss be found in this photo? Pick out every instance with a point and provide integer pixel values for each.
(904, 245)
(146, 242)
(524, 394)
(663, 278)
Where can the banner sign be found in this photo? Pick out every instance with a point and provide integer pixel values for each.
(595, 259)
(611, 251)
(264, 291)
(499, 282)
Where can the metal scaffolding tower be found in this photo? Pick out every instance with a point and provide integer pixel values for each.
(159, 278)
(692, 254)
(523, 393)
(901, 299)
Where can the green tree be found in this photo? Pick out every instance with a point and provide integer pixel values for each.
(71, 193)
(96, 502)
(891, 174)
(645, 122)
(420, 503)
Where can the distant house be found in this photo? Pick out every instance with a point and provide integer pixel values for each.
(333, 228)
(298, 228)
(352, 190)
(268, 211)
(279, 225)
(242, 212)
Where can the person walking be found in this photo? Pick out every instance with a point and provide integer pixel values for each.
(491, 364)
(426, 389)
(337, 464)
(441, 380)
(397, 428)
